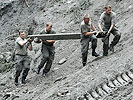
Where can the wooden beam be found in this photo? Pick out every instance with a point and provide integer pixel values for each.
(59, 36)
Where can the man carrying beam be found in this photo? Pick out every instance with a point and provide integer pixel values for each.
(86, 37)
(107, 19)
(47, 51)
(22, 62)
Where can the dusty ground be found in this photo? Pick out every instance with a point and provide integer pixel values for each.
(69, 80)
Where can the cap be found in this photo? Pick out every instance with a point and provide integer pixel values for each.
(86, 16)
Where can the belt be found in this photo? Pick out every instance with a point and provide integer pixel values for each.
(48, 44)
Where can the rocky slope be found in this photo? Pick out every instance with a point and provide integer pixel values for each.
(70, 80)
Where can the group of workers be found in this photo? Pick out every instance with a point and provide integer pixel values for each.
(106, 23)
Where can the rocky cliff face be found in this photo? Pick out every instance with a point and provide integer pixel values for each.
(69, 81)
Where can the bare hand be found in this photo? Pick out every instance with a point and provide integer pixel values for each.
(94, 32)
(51, 41)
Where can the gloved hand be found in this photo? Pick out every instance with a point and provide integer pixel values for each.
(36, 40)
(100, 34)
(29, 40)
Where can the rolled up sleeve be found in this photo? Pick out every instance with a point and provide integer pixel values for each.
(101, 19)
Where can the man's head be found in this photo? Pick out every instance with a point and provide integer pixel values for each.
(86, 18)
(48, 27)
(107, 9)
(22, 34)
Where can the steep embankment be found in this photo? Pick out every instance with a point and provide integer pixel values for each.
(70, 80)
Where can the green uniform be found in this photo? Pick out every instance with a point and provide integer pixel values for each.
(85, 41)
(21, 59)
(106, 20)
(48, 52)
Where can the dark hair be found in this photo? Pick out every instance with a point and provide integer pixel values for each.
(107, 6)
(20, 31)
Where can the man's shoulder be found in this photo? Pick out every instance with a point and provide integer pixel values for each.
(113, 13)
(52, 32)
(103, 13)
(18, 39)
(43, 32)
(82, 23)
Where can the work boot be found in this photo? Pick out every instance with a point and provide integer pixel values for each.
(105, 54)
(43, 74)
(16, 81)
(95, 54)
(84, 63)
(111, 47)
(23, 81)
(24, 75)
(37, 70)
